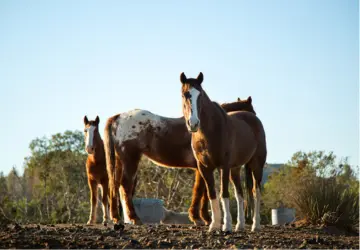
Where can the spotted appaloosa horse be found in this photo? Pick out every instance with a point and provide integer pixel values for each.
(225, 141)
(166, 142)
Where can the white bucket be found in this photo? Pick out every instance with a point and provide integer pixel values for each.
(150, 211)
(280, 216)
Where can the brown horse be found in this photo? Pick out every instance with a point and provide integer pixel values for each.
(96, 168)
(165, 141)
(224, 141)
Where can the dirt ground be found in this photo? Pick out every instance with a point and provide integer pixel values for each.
(170, 236)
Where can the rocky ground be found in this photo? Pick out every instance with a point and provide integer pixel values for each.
(170, 236)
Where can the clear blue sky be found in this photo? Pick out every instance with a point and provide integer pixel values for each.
(60, 60)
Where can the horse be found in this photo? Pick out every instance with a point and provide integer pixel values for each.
(224, 141)
(96, 168)
(166, 142)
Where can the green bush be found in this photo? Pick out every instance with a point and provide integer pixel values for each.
(321, 191)
(325, 201)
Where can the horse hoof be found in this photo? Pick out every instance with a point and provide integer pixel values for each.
(105, 224)
(239, 228)
(206, 221)
(89, 222)
(136, 222)
(199, 223)
(227, 228)
(119, 227)
(115, 221)
(255, 229)
(214, 227)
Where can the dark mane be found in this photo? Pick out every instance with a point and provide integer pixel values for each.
(236, 106)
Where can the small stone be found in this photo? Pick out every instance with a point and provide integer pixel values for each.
(135, 242)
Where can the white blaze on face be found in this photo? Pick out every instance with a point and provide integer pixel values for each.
(193, 116)
(89, 139)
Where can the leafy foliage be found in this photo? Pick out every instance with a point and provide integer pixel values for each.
(322, 191)
(54, 189)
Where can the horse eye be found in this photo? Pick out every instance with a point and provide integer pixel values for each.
(85, 130)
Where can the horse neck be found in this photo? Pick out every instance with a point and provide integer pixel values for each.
(99, 155)
(211, 116)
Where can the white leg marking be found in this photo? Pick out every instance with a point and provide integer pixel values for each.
(240, 225)
(194, 118)
(216, 215)
(227, 226)
(256, 218)
(124, 208)
(89, 138)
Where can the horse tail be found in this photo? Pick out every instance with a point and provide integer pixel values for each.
(110, 155)
(249, 182)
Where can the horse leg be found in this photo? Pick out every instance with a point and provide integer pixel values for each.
(104, 200)
(225, 174)
(198, 190)
(126, 190)
(93, 201)
(204, 212)
(208, 176)
(235, 179)
(257, 170)
(134, 186)
(115, 204)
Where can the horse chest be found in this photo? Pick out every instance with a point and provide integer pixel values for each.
(205, 155)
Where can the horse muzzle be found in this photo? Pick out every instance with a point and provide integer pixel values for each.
(193, 127)
(90, 150)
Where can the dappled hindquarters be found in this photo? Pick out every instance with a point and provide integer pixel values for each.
(173, 236)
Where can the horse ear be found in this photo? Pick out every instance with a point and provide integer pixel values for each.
(249, 100)
(200, 78)
(86, 121)
(97, 120)
(183, 78)
(238, 99)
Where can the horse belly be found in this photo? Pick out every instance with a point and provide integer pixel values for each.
(243, 155)
(243, 146)
(170, 156)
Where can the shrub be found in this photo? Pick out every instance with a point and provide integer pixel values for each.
(321, 191)
(325, 201)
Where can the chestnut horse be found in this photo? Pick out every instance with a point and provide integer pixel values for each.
(166, 142)
(96, 168)
(224, 141)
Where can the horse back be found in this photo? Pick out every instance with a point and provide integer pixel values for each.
(251, 120)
